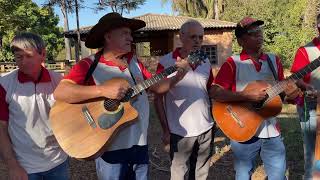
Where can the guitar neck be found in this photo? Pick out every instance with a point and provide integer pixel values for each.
(280, 86)
(151, 81)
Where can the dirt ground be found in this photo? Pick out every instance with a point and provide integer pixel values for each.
(221, 165)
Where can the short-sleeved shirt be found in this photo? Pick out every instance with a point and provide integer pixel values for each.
(187, 104)
(302, 59)
(239, 70)
(136, 133)
(25, 105)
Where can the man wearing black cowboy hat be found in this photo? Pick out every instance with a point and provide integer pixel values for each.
(127, 155)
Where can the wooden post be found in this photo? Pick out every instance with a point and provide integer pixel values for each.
(2, 69)
(78, 44)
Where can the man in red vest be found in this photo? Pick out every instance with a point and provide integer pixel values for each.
(306, 106)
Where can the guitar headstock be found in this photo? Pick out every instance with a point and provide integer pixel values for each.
(197, 57)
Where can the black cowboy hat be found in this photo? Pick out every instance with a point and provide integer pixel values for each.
(108, 22)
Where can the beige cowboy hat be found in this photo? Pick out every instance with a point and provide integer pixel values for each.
(108, 22)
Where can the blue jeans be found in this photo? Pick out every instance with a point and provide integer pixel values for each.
(272, 153)
(58, 173)
(308, 122)
(125, 164)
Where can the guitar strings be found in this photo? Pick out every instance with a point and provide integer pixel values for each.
(197, 57)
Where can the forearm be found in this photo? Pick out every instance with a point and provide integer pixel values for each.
(223, 95)
(158, 104)
(164, 85)
(6, 150)
(71, 92)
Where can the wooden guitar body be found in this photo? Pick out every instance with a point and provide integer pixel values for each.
(241, 120)
(84, 130)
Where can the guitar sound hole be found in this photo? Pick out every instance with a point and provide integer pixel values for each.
(111, 105)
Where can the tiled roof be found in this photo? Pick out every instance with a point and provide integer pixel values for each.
(158, 22)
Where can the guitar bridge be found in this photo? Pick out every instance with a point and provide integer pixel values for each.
(235, 116)
(88, 116)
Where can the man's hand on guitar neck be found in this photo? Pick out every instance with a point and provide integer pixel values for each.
(220, 94)
(254, 95)
(292, 92)
(182, 68)
(113, 89)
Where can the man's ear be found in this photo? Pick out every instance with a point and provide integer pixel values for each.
(240, 41)
(43, 54)
(106, 37)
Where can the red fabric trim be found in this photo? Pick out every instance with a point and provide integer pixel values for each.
(210, 80)
(301, 60)
(78, 72)
(160, 68)
(176, 53)
(4, 106)
(226, 76)
(280, 69)
(44, 76)
(244, 56)
(145, 73)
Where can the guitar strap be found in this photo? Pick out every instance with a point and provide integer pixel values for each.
(92, 67)
(282, 94)
(272, 68)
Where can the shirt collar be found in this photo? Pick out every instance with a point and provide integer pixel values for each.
(109, 62)
(44, 76)
(244, 56)
(176, 53)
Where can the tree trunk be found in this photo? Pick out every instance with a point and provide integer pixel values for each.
(216, 10)
(78, 34)
(65, 29)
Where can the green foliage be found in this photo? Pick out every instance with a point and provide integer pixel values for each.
(194, 8)
(24, 15)
(68, 4)
(120, 6)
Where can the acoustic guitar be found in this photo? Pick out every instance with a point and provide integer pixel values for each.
(85, 129)
(240, 120)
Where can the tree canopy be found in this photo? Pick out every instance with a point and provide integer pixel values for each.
(25, 15)
(120, 6)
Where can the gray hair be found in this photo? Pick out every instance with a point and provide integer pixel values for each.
(185, 26)
(27, 40)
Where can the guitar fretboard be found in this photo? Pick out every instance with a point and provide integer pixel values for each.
(280, 86)
(149, 82)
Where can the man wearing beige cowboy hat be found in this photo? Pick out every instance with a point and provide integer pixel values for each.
(127, 155)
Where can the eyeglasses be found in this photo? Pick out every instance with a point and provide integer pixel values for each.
(195, 37)
(255, 31)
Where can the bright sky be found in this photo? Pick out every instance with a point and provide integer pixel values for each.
(88, 16)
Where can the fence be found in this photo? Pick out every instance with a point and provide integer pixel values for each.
(9, 66)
